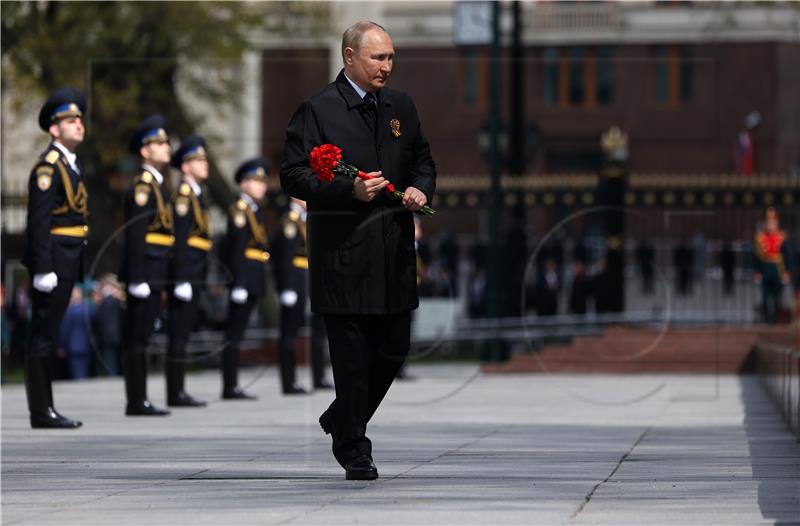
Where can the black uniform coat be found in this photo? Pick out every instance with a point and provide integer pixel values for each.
(192, 240)
(147, 211)
(289, 251)
(245, 231)
(362, 258)
(56, 198)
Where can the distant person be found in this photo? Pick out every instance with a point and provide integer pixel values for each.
(548, 286)
(108, 324)
(645, 261)
(188, 265)
(580, 289)
(244, 251)
(149, 236)
(19, 310)
(727, 260)
(684, 262)
(290, 266)
(773, 264)
(76, 335)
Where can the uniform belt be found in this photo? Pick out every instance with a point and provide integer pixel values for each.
(200, 243)
(256, 254)
(154, 238)
(71, 231)
(300, 262)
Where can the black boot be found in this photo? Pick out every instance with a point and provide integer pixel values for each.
(176, 395)
(230, 375)
(286, 365)
(40, 396)
(136, 385)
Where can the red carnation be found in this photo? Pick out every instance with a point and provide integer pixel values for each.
(326, 161)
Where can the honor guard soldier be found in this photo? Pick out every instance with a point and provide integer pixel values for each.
(189, 263)
(56, 235)
(773, 264)
(149, 237)
(290, 263)
(245, 253)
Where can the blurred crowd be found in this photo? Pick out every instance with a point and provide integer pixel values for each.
(90, 339)
(569, 276)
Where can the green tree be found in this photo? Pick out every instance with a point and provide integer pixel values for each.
(130, 58)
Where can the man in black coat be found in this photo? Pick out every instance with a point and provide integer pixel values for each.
(189, 262)
(244, 252)
(362, 259)
(149, 237)
(56, 235)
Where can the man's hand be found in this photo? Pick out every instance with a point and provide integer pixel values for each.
(414, 199)
(367, 190)
(45, 282)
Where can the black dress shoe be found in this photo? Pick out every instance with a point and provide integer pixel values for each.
(52, 419)
(183, 399)
(237, 394)
(145, 408)
(323, 384)
(294, 389)
(362, 468)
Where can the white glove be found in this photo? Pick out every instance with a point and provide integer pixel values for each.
(139, 290)
(239, 295)
(288, 298)
(183, 291)
(45, 282)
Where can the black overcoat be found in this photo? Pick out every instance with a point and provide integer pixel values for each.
(361, 255)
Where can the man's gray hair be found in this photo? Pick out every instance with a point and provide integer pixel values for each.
(354, 34)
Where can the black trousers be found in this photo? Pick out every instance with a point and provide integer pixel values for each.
(771, 296)
(140, 318)
(182, 315)
(238, 316)
(292, 320)
(48, 312)
(366, 353)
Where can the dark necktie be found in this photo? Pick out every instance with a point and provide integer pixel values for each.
(371, 101)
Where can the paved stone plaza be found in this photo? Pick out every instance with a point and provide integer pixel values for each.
(453, 447)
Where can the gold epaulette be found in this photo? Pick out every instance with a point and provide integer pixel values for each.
(52, 156)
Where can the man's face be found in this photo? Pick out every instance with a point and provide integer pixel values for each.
(772, 225)
(196, 168)
(371, 65)
(156, 152)
(255, 188)
(69, 131)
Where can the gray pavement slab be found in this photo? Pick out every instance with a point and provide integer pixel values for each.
(453, 447)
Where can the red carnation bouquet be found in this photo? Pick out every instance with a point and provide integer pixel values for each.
(326, 160)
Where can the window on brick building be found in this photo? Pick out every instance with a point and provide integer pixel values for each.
(578, 76)
(476, 78)
(674, 75)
